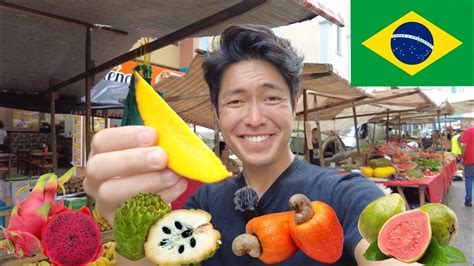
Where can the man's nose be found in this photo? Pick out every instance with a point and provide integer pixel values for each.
(255, 115)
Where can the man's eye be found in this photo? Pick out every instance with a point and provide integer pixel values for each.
(274, 98)
(233, 102)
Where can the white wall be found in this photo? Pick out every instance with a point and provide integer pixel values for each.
(304, 37)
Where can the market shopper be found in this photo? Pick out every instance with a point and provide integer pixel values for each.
(314, 152)
(3, 137)
(253, 80)
(224, 153)
(455, 146)
(467, 159)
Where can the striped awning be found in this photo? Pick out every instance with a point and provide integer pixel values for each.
(321, 10)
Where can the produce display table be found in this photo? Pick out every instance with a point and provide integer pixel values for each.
(435, 186)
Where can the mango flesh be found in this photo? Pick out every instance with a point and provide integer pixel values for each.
(187, 154)
(443, 221)
(377, 213)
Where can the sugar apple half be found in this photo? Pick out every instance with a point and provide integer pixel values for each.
(182, 237)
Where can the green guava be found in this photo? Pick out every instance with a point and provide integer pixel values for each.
(443, 220)
(377, 213)
(406, 236)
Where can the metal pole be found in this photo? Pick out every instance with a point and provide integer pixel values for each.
(399, 126)
(305, 118)
(52, 111)
(87, 93)
(356, 129)
(386, 125)
(373, 133)
(322, 162)
(106, 118)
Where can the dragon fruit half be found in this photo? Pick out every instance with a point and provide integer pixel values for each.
(28, 217)
(71, 237)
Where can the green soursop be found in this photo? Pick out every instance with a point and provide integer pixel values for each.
(133, 221)
(182, 237)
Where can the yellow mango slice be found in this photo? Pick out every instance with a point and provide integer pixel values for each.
(187, 154)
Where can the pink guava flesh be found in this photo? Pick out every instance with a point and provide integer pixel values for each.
(406, 236)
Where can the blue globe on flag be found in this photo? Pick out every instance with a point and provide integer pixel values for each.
(412, 43)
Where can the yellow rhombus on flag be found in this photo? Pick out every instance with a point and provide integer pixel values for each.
(382, 44)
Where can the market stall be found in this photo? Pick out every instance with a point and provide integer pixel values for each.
(399, 166)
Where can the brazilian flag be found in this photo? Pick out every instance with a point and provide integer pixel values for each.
(412, 42)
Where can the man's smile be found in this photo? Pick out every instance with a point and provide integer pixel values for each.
(256, 138)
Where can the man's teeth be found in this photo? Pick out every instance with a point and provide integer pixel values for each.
(255, 139)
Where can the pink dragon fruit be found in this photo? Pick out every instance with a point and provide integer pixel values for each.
(72, 237)
(28, 217)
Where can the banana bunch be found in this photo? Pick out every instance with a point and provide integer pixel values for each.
(102, 261)
(39, 263)
(103, 224)
(109, 252)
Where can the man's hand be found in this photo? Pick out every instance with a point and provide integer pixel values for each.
(125, 161)
(361, 261)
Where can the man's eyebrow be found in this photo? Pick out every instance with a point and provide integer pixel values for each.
(233, 92)
(269, 85)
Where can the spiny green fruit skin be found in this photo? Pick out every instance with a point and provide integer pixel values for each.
(133, 220)
(443, 221)
(377, 213)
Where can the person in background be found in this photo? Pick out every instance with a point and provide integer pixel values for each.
(426, 141)
(253, 78)
(455, 146)
(467, 159)
(224, 153)
(3, 137)
(314, 152)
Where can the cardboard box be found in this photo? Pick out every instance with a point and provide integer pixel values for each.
(16, 186)
(10, 187)
(75, 203)
(4, 193)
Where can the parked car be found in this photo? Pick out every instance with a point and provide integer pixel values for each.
(334, 149)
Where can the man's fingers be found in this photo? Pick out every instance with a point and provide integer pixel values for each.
(117, 190)
(122, 138)
(125, 163)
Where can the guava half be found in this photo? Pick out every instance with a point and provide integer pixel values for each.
(406, 236)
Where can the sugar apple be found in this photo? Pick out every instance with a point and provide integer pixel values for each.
(133, 221)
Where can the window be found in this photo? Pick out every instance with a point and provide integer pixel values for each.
(339, 40)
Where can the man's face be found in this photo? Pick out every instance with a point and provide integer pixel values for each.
(255, 112)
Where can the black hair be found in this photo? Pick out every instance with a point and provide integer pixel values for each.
(1, 124)
(246, 42)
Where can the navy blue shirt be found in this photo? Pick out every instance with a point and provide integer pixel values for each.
(347, 195)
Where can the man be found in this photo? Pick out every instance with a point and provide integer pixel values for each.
(314, 152)
(467, 159)
(253, 80)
